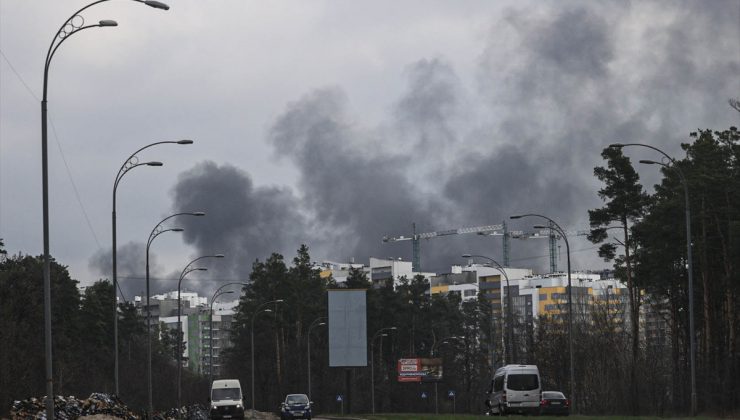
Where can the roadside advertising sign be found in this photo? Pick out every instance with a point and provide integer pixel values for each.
(419, 370)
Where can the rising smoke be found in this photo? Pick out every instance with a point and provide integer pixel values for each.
(553, 87)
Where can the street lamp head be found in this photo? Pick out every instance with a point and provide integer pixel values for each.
(393, 328)
(518, 216)
(541, 227)
(154, 163)
(184, 142)
(226, 293)
(177, 229)
(279, 301)
(322, 323)
(198, 213)
(649, 162)
(616, 145)
(107, 22)
(219, 256)
(466, 256)
(200, 269)
(156, 4)
(267, 310)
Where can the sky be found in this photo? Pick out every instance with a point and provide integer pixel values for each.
(335, 123)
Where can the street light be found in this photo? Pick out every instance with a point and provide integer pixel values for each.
(509, 318)
(378, 333)
(185, 271)
(158, 230)
(434, 348)
(690, 268)
(130, 163)
(71, 26)
(316, 323)
(210, 326)
(210, 357)
(560, 230)
(254, 315)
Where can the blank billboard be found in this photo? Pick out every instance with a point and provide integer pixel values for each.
(347, 328)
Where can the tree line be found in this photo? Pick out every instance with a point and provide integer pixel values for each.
(616, 371)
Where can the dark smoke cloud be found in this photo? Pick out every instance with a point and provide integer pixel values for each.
(242, 221)
(352, 184)
(131, 262)
(426, 111)
(553, 89)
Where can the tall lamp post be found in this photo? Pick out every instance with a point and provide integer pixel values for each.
(435, 346)
(560, 230)
(187, 270)
(316, 323)
(71, 26)
(130, 163)
(210, 326)
(378, 333)
(254, 315)
(509, 319)
(690, 266)
(210, 343)
(158, 230)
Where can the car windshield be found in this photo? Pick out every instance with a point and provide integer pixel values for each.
(226, 394)
(522, 382)
(553, 395)
(296, 399)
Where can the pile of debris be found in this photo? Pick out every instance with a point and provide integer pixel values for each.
(72, 408)
(192, 412)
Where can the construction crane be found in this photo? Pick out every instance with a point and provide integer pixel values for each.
(552, 234)
(490, 230)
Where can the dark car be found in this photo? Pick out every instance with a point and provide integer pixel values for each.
(554, 402)
(296, 406)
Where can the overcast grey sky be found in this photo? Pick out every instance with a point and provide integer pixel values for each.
(336, 123)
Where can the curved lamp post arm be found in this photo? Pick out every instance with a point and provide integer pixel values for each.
(184, 274)
(59, 38)
(76, 29)
(445, 340)
(129, 165)
(229, 284)
(132, 160)
(158, 230)
(268, 303)
(187, 268)
(381, 330)
(621, 145)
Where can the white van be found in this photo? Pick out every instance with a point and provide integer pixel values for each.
(226, 399)
(515, 389)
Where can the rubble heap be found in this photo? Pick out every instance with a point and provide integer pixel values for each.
(72, 408)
